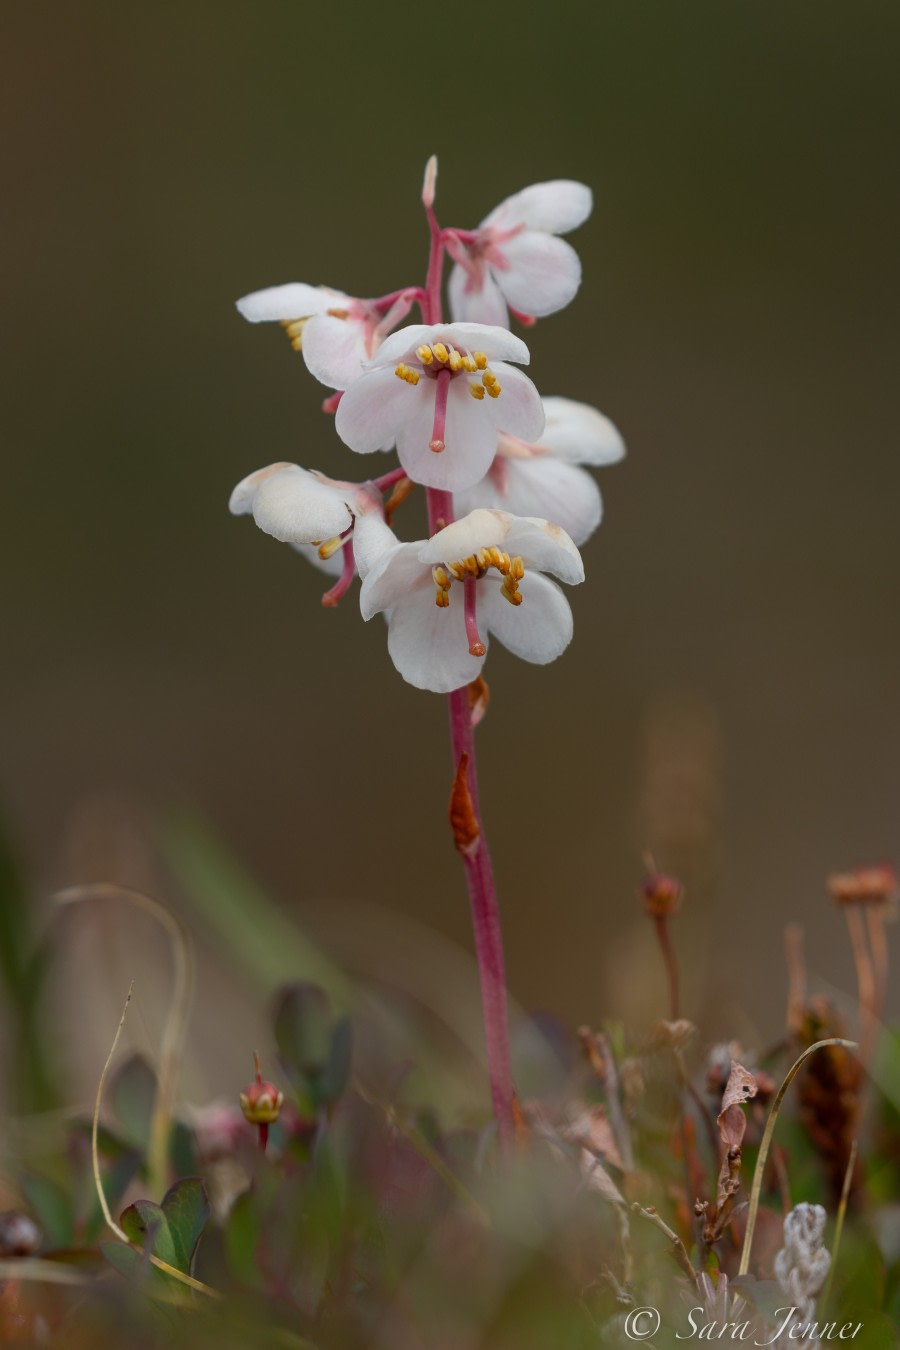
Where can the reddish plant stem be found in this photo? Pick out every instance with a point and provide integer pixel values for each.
(671, 964)
(476, 859)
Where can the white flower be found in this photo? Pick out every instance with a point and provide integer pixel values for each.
(295, 505)
(514, 257)
(443, 596)
(542, 477)
(336, 333)
(441, 394)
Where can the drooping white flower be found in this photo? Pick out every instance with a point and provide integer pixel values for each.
(336, 333)
(481, 575)
(515, 260)
(312, 513)
(441, 394)
(295, 505)
(542, 477)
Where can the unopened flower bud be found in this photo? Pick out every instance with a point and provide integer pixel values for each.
(261, 1102)
(662, 894)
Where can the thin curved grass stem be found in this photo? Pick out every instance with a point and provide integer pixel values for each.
(839, 1224)
(173, 1036)
(98, 1180)
(763, 1155)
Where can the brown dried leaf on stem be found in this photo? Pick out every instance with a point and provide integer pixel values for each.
(479, 698)
(463, 820)
(732, 1123)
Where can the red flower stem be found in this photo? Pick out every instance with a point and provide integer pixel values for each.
(263, 1136)
(342, 585)
(387, 480)
(476, 859)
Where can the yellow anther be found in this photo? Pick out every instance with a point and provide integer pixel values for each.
(517, 568)
(441, 579)
(294, 329)
(480, 360)
(468, 363)
(455, 359)
(476, 391)
(405, 372)
(458, 569)
(488, 378)
(509, 594)
(425, 355)
(441, 352)
(442, 599)
(494, 390)
(330, 547)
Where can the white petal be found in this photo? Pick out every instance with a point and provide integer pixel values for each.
(470, 437)
(545, 487)
(476, 303)
(543, 273)
(579, 433)
(479, 529)
(555, 207)
(296, 300)
(295, 507)
(539, 629)
(334, 349)
(244, 495)
(392, 578)
(373, 539)
(374, 407)
(545, 546)
(428, 645)
(519, 409)
(497, 343)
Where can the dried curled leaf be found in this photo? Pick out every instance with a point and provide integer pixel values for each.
(732, 1122)
(463, 820)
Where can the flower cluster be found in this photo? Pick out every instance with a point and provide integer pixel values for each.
(508, 497)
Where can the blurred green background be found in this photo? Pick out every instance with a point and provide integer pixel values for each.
(730, 700)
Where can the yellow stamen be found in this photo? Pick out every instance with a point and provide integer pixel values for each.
(441, 579)
(476, 391)
(405, 372)
(480, 360)
(495, 390)
(488, 378)
(517, 568)
(294, 329)
(442, 599)
(425, 355)
(468, 363)
(330, 547)
(441, 352)
(455, 359)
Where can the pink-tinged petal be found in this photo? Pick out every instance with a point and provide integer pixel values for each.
(497, 343)
(555, 207)
(400, 344)
(543, 273)
(244, 495)
(477, 302)
(537, 630)
(519, 410)
(545, 546)
(294, 506)
(391, 578)
(429, 645)
(580, 434)
(373, 540)
(545, 487)
(334, 349)
(296, 300)
(470, 438)
(479, 529)
(374, 408)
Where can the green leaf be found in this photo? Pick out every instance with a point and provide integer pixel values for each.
(124, 1259)
(303, 1028)
(336, 1074)
(146, 1225)
(52, 1206)
(186, 1209)
(242, 1234)
(131, 1095)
